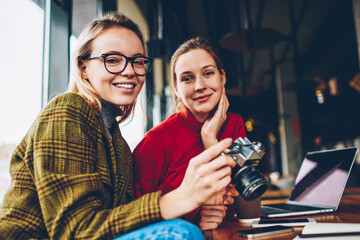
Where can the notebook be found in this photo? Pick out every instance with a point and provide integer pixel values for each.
(319, 184)
(330, 231)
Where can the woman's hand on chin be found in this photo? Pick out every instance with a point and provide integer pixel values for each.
(212, 125)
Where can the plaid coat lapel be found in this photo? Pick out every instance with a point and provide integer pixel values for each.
(123, 166)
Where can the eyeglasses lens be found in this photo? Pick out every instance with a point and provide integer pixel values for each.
(117, 64)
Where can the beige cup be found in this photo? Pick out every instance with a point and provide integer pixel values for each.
(247, 211)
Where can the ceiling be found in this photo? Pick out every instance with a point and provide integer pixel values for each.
(319, 34)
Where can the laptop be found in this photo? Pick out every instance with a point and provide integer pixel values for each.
(319, 184)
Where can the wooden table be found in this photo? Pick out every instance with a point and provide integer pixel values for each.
(348, 212)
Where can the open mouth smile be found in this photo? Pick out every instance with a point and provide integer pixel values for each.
(124, 85)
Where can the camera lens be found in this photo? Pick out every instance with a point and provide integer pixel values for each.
(249, 182)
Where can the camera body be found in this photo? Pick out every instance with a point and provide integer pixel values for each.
(250, 183)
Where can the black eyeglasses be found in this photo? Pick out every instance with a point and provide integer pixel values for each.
(116, 62)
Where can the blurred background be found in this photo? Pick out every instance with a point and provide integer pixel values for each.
(292, 69)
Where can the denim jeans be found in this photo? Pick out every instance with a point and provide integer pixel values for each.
(174, 229)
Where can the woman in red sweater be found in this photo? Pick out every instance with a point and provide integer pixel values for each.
(201, 120)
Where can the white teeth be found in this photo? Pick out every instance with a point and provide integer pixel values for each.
(124, 85)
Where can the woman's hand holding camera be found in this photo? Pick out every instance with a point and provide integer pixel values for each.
(225, 197)
(207, 175)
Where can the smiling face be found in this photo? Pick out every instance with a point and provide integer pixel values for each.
(199, 83)
(119, 89)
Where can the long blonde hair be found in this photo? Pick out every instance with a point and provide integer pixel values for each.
(86, 38)
(191, 44)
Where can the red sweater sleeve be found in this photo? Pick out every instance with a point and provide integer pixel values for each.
(149, 163)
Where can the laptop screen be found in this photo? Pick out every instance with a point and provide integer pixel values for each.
(322, 177)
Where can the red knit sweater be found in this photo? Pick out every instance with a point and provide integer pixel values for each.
(163, 155)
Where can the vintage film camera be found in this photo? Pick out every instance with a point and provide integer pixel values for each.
(250, 183)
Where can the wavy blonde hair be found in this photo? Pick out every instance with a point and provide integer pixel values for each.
(187, 46)
(82, 86)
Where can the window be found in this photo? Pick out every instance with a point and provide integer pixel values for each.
(21, 83)
(22, 26)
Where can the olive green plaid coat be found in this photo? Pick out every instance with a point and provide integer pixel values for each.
(71, 181)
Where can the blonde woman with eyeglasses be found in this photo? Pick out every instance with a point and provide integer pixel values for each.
(72, 174)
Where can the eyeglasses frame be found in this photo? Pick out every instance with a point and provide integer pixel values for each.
(131, 59)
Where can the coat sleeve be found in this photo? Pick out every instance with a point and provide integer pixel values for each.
(149, 158)
(70, 190)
